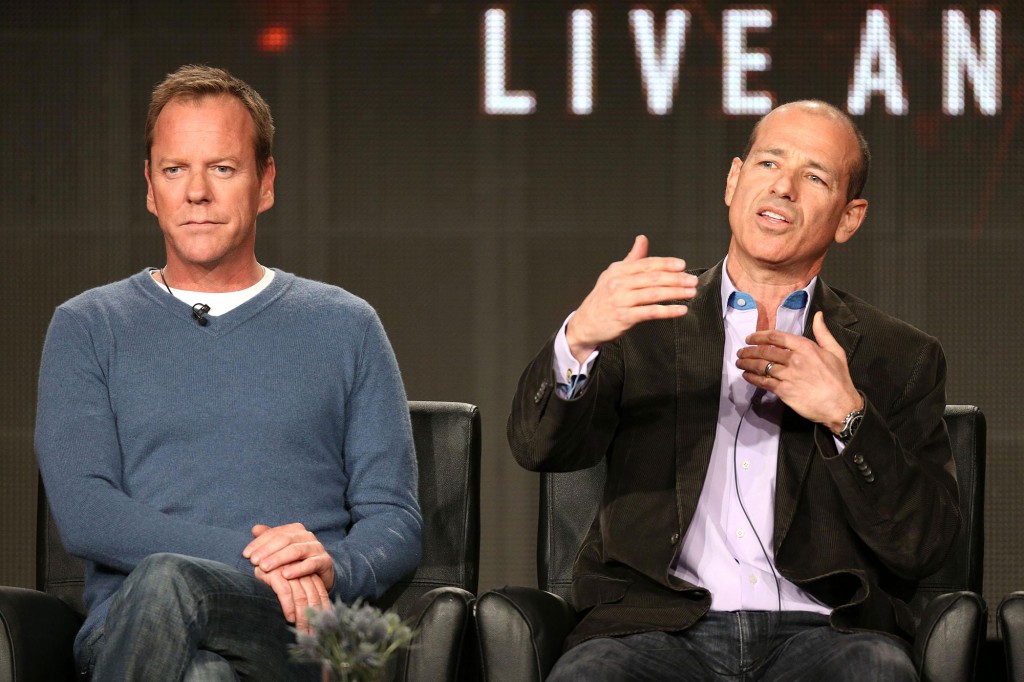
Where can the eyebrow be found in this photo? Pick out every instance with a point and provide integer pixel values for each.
(219, 161)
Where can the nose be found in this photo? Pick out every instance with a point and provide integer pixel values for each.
(784, 186)
(198, 188)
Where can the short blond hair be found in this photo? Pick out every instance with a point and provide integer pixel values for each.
(194, 82)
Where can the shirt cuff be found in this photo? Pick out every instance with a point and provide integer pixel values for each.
(569, 373)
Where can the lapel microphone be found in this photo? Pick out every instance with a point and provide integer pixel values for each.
(199, 311)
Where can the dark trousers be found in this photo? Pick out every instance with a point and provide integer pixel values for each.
(182, 618)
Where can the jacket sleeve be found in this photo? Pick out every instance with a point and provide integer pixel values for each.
(547, 432)
(897, 476)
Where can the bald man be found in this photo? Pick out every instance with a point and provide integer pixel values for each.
(779, 476)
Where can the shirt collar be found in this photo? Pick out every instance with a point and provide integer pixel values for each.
(741, 300)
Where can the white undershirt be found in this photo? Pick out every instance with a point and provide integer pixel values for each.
(219, 302)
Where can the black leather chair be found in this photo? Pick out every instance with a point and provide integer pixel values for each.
(521, 630)
(1010, 620)
(37, 627)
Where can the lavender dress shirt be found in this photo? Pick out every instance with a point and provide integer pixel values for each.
(727, 548)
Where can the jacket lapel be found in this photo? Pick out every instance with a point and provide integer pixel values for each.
(700, 340)
(796, 445)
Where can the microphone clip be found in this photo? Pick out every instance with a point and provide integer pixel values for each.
(199, 311)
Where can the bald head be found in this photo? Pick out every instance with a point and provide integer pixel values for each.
(858, 171)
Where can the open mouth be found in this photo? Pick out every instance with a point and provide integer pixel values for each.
(773, 216)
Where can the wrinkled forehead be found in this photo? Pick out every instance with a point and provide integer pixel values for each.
(826, 139)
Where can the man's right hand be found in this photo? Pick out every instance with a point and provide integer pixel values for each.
(630, 291)
(296, 595)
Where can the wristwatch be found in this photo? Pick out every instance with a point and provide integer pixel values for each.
(850, 425)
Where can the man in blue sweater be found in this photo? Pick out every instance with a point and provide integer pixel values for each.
(224, 444)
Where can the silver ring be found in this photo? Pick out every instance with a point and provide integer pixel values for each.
(768, 369)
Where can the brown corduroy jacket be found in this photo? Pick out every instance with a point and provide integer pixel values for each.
(856, 537)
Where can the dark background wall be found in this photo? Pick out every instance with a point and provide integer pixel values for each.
(474, 234)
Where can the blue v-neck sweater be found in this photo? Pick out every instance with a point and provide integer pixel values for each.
(155, 434)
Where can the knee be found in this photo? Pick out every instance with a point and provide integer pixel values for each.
(160, 578)
(161, 569)
(878, 658)
(594, 660)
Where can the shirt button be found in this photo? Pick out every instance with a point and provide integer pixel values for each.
(746, 464)
(674, 539)
(753, 579)
(741, 302)
(740, 533)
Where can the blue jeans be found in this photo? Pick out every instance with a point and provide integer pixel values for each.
(182, 618)
(741, 646)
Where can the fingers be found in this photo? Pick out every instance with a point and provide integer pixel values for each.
(810, 376)
(639, 249)
(269, 540)
(297, 596)
(293, 549)
(276, 555)
(282, 589)
(824, 337)
(316, 564)
(322, 592)
(305, 596)
(773, 337)
(308, 593)
(629, 292)
(652, 264)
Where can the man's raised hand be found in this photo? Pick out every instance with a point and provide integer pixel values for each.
(627, 293)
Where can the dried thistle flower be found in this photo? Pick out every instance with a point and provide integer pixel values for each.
(353, 642)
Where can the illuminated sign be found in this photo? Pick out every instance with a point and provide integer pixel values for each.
(970, 61)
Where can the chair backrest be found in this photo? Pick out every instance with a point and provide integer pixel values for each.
(963, 567)
(569, 503)
(447, 437)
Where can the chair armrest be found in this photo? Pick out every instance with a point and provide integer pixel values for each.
(949, 637)
(37, 636)
(1010, 617)
(438, 653)
(521, 631)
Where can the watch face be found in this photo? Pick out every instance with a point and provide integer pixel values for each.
(852, 422)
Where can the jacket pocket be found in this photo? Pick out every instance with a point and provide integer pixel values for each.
(591, 589)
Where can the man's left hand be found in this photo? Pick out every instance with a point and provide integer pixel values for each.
(812, 378)
(291, 548)
(297, 596)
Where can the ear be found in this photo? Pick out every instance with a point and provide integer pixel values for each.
(150, 199)
(267, 186)
(851, 220)
(732, 179)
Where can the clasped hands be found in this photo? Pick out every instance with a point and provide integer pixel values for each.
(811, 377)
(295, 565)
